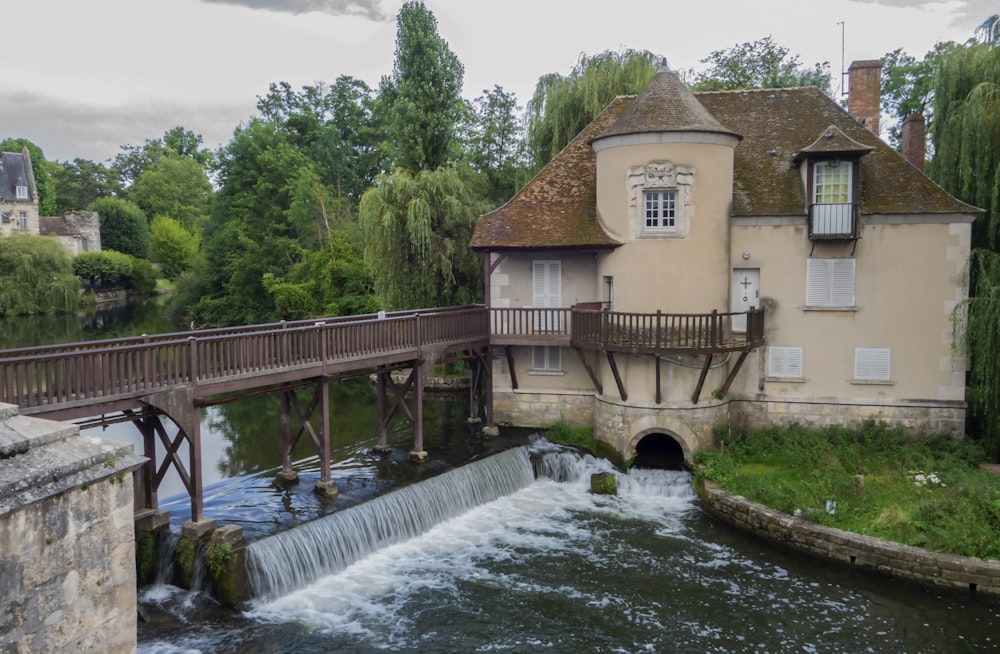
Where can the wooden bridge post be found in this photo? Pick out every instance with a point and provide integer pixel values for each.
(287, 474)
(325, 486)
(383, 433)
(418, 454)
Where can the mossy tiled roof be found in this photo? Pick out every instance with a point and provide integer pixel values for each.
(557, 208)
(777, 124)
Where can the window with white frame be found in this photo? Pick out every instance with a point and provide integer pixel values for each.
(659, 199)
(784, 362)
(546, 358)
(830, 282)
(21, 192)
(872, 363)
(661, 209)
(22, 221)
(832, 182)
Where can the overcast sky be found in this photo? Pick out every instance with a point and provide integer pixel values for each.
(90, 76)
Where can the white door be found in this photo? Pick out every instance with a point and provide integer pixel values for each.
(745, 294)
(546, 285)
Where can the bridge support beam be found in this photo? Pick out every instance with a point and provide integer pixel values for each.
(178, 405)
(302, 424)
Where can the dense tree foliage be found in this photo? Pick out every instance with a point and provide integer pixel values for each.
(563, 105)
(134, 160)
(172, 245)
(124, 227)
(79, 182)
(37, 277)
(417, 229)
(104, 267)
(496, 144)
(966, 138)
(422, 98)
(39, 166)
(176, 187)
(761, 64)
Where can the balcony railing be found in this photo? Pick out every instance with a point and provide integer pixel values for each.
(833, 221)
(614, 331)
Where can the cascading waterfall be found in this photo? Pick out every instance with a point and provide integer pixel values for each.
(291, 559)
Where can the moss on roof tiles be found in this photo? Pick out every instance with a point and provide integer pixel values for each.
(779, 123)
(666, 105)
(558, 207)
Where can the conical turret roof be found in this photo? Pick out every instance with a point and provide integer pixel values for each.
(666, 105)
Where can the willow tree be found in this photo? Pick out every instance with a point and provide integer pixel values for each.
(563, 105)
(966, 138)
(417, 228)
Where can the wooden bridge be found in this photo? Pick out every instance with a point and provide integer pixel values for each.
(140, 379)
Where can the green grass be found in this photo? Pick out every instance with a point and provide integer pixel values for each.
(872, 474)
(565, 434)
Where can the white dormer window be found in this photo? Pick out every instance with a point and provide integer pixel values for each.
(21, 192)
(832, 182)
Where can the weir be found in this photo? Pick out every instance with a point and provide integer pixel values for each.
(291, 559)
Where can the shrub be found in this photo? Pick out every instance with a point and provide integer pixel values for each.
(36, 277)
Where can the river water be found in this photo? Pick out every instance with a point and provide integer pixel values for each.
(512, 553)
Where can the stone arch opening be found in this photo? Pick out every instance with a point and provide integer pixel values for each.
(659, 450)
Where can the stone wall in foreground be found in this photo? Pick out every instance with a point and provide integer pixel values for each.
(67, 543)
(920, 565)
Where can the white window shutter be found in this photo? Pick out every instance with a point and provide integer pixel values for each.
(842, 283)
(538, 357)
(817, 282)
(872, 363)
(793, 362)
(775, 361)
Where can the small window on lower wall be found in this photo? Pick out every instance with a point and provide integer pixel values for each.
(872, 364)
(784, 362)
(546, 358)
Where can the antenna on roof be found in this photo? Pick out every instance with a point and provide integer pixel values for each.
(843, 71)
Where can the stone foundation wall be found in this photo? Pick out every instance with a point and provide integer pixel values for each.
(543, 408)
(914, 563)
(917, 416)
(67, 545)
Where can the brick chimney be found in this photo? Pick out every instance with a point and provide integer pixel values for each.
(864, 92)
(912, 140)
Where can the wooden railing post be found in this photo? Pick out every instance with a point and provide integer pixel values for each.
(322, 344)
(659, 317)
(193, 359)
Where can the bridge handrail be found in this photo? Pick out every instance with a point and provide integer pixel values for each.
(49, 377)
(224, 331)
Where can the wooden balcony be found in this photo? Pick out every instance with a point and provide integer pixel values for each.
(634, 333)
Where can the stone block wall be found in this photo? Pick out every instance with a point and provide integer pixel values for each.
(918, 417)
(543, 408)
(914, 563)
(67, 545)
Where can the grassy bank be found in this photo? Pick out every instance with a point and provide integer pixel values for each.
(876, 481)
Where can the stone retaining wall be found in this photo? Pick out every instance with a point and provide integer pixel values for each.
(914, 563)
(67, 546)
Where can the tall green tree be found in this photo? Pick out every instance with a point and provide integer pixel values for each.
(966, 137)
(908, 86)
(760, 64)
(333, 126)
(417, 228)
(36, 277)
(79, 182)
(422, 98)
(134, 160)
(43, 181)
(176, 187)
(562, 105)
(124, 227)
(496, 146)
